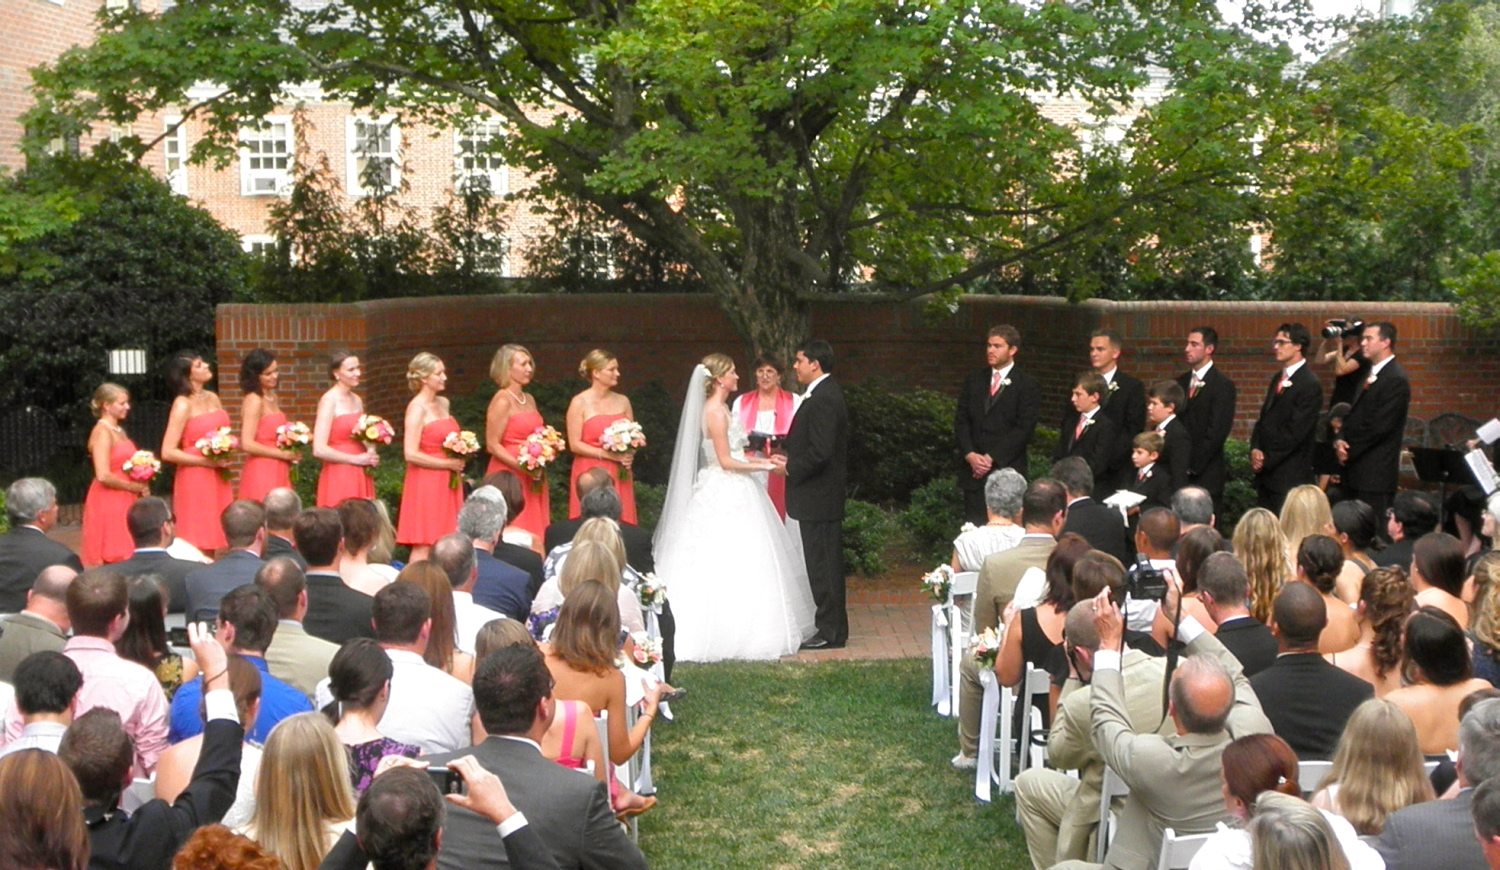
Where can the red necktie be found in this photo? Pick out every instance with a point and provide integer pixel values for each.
(995, 383)
(1140, 477)
(1279, 384)
(1193, 390)
(1078, 433)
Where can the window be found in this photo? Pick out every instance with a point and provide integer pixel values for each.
(374, 155)
(174, 155)
(475, 160)
(595, 256)
(258, 246)
(266, 157)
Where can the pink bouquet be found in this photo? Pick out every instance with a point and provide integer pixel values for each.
(218, 444)
(540, 449)
(460, 445)
(647, 650)
(141, 466)
(290, 436)
(986, 648)
(938, 582)
(373, 430)
(651, 592)
(623, 437)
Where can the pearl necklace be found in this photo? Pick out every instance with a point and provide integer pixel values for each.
(520, 398)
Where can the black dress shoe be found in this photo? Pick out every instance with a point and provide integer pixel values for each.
(815, 642)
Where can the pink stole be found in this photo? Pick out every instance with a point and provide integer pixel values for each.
(749, 408)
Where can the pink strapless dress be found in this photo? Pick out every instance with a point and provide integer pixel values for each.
(201, 494)
(338, 481)
(538, 510)
(593, 428)
(262, 473)
(106, 537)
(429, 503)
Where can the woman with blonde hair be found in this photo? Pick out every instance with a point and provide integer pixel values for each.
(1289, 834)
(303, 802)
(1261, 547)
(1305, 512)
(512, 416)
(1377, 768)
(431, 495)
(589, 414)
(1385, 600)
(361, 521)
(1484, 626)
(442, 642)
(348, 462)
(593, 556)
(106, 537)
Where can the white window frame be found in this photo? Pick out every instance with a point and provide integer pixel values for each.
(354, 154)
(263, 180)
(474, 134)
(174, 154)
(250, 243)
(505, 249)
(608, 270)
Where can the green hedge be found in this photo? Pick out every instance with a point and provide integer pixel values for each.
(899, 441)
(867, 532)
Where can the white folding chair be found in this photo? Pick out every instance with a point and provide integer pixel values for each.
(941, 686)
(1310, 774)
(1112, 788)
(998, 713)
(1036, 694)
(1177, 850)
(960, 627)
(601, 725)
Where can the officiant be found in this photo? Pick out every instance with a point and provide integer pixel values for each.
(767, 413)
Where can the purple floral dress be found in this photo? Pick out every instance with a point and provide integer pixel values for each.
(365, 757)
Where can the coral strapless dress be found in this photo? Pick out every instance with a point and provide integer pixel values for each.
(338, 481)
(429, 503)
(106, 537)
(538, 510)
(593, 428)
(262, 473)
(201, 494)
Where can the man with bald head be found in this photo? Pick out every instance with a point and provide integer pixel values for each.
(42, 626)
(1307, 699)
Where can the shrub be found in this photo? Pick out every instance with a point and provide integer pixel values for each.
(866, 529)
(1039, 453)
(1239, 493)
(900, 441)
(933, 519)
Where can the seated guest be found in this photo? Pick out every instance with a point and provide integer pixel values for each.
(1192, 549)
(1307, 699)
(1377, 769)
(42, 826)
(294, 656)
(175, 770)
(1288, 832)
(458, 557)
(442, 644)
(1223, 589)
(1319, 561)
(1386, 599)
(1357, 529)
(1002, 503)
(1151, 479)
(1099, 525)
(283, 506)
(428, 708)
(1484, 624)
(97, 748)
(1261, 548)
(1095, 572)
(1305, 512)
(361, 523)
(1411, 515)
(498, 587)
(145, 639)
(43, 625)
(46, 684)
(562, 531)
(515, 555)
(1086, 433)
(570, 813)
(1155, 538)
(31, 506)
(359, 681)
(1258, 764)
(1438, 573)
(246, 624)
(244, 524)
(1440, 834)
(302, 798)
(594, 555)
(335, 612)
(153, 528)
(1033, 635)
(1441, 675)
(215, 847)
(1194, 507)
(1486, 811)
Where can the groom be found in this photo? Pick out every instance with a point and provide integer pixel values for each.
(817, 449)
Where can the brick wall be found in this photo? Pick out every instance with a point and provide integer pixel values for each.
(35, 32)
(1453, 368)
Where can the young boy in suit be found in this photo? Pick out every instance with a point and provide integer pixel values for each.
(1162, 402)
(1151, 482)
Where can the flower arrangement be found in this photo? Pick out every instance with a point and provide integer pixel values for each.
(460, 445)
(647, 649)
(540, 449)
(651, 592)
(986, 648)
(141, 466)
(938, 582)
(540, 624)
(293, 436)
(218, 444)
(623, 437)
(373, 430)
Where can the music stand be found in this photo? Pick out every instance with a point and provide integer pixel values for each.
(1444, 467)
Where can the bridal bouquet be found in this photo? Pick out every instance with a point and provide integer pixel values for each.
(986, 648)
(623, 437)
(218, 444)
(460, 445)
(141, 466)
(540, 449)
(373, 430)
(651, 592)
(937, 582)
(647, 649)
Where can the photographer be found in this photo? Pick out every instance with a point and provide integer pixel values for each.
(1340, 352)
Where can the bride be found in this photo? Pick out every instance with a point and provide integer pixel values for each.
(737, 584)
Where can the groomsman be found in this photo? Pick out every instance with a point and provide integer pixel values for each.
(1369, 445)
(1087, 433)
(998, 408)
(1281, 444)
(1207, 414)
(1162, 402)
(1123, 402)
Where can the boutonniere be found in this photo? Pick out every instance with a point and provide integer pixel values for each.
(1286, 383)
(1195, 385)
(1113, 386)
(1370, 380)
(1087, 422)
(1005, 382)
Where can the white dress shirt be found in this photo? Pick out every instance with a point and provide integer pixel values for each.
(429, 709)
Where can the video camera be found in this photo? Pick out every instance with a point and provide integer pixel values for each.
(1341, 328)
(1145, 583)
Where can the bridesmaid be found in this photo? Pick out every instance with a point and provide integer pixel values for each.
(768, 411)
(106, 538)
(201, 493)
(429, 503)
(267, 468)
(511, 417)
(344, 457)
(589, 414)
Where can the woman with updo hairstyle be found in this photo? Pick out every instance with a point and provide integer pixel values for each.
(362, 522)
(303, 802)
(42, 827)
(512, 416)
(1357, 529)
(1261, 548)
(1254, 766)
(359, 679)
(1484, 627)
(766, 414)
(589, 414)
(106, 537)
(200, 492)
(1377, 769)
(1438, 573)
(348, 463)
(430, 500)
(1385, 600)
(1439, 676)
(1319, 560)
(267, 467)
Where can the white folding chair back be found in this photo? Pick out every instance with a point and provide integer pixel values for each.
(1310, 774)
(993, 763)
(1429, 767)
(601, 725)
(1112, 788)
(1177, 851)
(1036, 695)
(960, 627)
(941, 685)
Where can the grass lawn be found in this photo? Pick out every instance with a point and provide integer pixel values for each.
(837, 764)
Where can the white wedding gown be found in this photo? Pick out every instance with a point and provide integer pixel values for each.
(737, 583)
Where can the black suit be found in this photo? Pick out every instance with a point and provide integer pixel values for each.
(278, 547)
(172, 570)
(335, 612)
(1308, 702)
(24, 552)
(1208, 417)
(524, 850)
(1374, 430)
(1125, 406)
(998, 426)
(1397, 555)
(1157, 487)
(1176, 455)
(638, 545)
(1284, 433)
(817, 449)
(1250, 641)
(1096, 446)
(208, 584)
(1101, 526)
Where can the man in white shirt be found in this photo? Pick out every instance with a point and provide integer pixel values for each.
(455, 555)
(46, 684)
(1281, 445)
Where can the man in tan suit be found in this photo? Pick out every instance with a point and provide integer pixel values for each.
(42, 626)
(1174, 781)
(1042, 516)
(294, 656)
